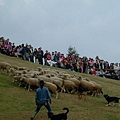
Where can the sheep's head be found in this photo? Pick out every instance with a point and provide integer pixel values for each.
(79, 77)
(48, 75)
(15, 67)
(87, 79)
(11, 70)
(39, 69)
(34, 75)
(64, 77)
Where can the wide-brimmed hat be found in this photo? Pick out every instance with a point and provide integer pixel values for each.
(41, 82)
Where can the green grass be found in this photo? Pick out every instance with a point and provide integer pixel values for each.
(16, 103)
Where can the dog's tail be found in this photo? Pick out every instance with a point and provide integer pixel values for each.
(66, 109)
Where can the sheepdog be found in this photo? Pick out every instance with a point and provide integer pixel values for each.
(61, 116)
(82, 91)
(109, 99)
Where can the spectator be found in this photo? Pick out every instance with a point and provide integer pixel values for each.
(74, 62)
(97, 58)
(79, 65)
(45, 58)
(101, 64)
(56, 57)
(116, 67)
(106, 65)
(85, 65)
(9, 48)
(35, 58)
(31, 54)
(101, 73)
(40, 55)
(28, 52)
(91, 63)
(49, 59)
(17, 50)
(52, 56)
(23, 52)
(96, 65)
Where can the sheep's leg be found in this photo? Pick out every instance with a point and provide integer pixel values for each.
(93, 93)
(63, 89)
(7, 70)
(79, 95)
(85, 95)
(73, 90)
(57, 95)
(19, 84)
(67, 90)
(26, 86)
(96, 93)
(76, 92)
(13, 80)
(29, 87)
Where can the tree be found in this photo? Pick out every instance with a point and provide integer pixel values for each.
(72, 51)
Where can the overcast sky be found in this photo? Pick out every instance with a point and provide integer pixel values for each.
(91, 26)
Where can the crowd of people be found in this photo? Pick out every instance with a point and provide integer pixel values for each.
(72, 62)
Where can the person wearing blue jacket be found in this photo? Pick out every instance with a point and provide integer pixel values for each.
(43, 98)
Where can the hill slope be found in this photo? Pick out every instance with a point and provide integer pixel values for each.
(16, 103)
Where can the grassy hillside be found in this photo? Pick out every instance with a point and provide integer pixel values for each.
(16, 103)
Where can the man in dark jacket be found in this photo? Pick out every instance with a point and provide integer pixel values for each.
(40, 55)
(43, 97)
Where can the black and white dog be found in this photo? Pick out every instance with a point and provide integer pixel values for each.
(111, 99)
(61, 116)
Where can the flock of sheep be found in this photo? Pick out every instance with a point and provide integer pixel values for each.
(56, 81)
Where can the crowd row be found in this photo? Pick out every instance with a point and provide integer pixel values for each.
(83, 64)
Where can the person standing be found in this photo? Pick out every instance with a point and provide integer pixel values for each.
(45, 58)
(35, 55)
(40, 55)
(43, 98)
(23, 52)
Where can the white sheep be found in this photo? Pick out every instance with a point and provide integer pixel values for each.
(20, 68)
(69, 86)
(39, 69)
(42, 77)
(52, 87)
(58, 83)
(5, 66)
(29, 82)
(98, 88)
(16, 72)
(87, 85)
(16, 78)
(76, 81)
(53, 80)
